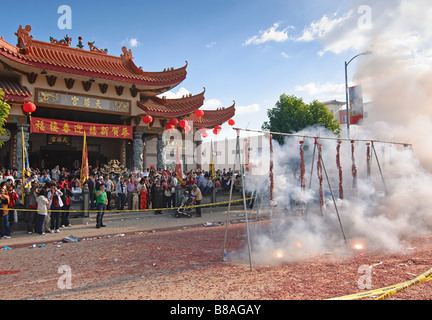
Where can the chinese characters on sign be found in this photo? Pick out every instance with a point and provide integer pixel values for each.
(72, 128)
(79, 102)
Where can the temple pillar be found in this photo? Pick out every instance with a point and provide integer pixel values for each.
(19, 151)
(161, 163)
(138, 147)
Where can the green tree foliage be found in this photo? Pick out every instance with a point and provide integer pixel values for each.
(291, 114)
(4, 113)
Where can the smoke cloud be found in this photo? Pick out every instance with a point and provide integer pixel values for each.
(391, 205)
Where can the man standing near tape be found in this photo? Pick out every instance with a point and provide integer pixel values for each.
(198, 197)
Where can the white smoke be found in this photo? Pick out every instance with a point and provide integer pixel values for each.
(393, 204)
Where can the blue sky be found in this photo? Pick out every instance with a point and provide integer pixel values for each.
(248, 51)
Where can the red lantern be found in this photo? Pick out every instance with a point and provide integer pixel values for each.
(231, 122)
(204, 134)
(199, 113)
(148, 119)
(29, 107)
(173, 122)
(183, 124)
(187, 128)
(169, 127)
(217, 130)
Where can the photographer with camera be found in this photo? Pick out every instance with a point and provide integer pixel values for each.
(55, 204)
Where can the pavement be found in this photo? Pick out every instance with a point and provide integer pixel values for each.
(124, 222)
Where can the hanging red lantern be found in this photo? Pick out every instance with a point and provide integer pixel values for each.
(217, 130)
(203, 132)
(29, 107)
(199, 113)
(173, 122)
(169, 127)
(231, 122)
(187, 128)
(148, 119)
(183, 124)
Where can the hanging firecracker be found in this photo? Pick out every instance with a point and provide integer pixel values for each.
(368, 158)
(339, 167)
(320, 176)
(354, 167)
(302, 166)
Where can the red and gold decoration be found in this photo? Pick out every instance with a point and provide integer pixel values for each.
(73, 128)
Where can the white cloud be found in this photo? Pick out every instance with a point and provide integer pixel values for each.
(319, 29)
(212, 104)
(210, 45)
(176, 95)
(252, 108)
(134, 42)
(285, 55)
(337, 34)
(271, 34)
(322, 92)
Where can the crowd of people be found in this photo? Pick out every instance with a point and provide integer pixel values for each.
(48, 200)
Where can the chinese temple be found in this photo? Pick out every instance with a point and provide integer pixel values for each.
(75, 90)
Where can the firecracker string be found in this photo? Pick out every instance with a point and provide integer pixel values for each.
(338, 164)
(354, 168)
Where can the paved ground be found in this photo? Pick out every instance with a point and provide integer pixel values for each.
(130, 222)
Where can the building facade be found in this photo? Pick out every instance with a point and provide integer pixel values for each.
(79, 90)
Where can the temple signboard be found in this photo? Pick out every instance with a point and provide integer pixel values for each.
(73, 128)
(85, 103)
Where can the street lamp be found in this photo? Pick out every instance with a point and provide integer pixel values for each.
(347, 89)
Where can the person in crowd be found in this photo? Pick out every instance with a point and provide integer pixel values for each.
(66, 199)
(109, 188)
(91, 183)
(198, 197)
(131, 189)
(13, 198)
(42, 211)
(55, 205)
(143, 191)
(120, 191)
(30, 216)
(76, 188)
(101, 203)
(157, 196)
(4, 221)
(55, 173)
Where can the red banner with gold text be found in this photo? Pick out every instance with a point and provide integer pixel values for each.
(73, 128)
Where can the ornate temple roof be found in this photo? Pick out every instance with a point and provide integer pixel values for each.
(59, 56)
(163, 107)
(15, 91)
(212, 118)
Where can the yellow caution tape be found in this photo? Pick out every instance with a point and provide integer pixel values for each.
(388, 291)
(137, 211)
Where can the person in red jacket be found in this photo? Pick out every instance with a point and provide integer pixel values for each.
(13, 197)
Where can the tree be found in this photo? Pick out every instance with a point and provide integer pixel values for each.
(291, 114)
(4, 113)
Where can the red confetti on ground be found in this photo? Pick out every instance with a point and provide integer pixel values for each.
(186, 264)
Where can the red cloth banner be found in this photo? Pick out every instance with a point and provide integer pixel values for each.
(73, 128)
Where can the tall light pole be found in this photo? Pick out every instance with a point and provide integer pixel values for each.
(347, 89)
